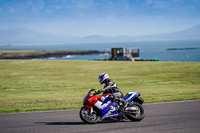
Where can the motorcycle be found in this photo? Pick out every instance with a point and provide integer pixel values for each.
(97, 108)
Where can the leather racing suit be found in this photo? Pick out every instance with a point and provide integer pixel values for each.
(111, 87)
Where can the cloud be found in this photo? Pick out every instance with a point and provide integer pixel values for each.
(83, 4)
(161, 4)
(178, 1)
(149, 2)
(36, 6)
(11, 9)
(56, 7)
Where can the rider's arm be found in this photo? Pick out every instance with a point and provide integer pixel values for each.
(104, 89)
(110, 85)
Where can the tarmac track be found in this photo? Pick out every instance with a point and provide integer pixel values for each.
(170, 117)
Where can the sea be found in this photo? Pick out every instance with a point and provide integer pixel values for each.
(186, 50)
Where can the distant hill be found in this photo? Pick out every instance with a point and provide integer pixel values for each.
(29, 37)
(188, 34)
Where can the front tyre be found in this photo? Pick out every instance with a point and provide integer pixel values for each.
(89, 117)
(136, 115)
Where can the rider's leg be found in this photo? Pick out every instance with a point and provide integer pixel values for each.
(119, 97)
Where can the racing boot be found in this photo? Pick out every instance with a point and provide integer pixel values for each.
(124, 102)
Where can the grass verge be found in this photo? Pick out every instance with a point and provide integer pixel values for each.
(34, 85)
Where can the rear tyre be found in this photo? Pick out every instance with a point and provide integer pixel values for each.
(87, 117)
(136, 115)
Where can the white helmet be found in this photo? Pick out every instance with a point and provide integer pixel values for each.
(102, 77)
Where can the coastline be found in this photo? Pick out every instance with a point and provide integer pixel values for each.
(182, 48)
(32, 54)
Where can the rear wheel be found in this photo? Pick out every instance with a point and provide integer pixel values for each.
(89, 117)
(136, 115)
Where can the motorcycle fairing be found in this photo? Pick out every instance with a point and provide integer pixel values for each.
(107, 112)
(131, 95)
(104, 106)
(90, 106)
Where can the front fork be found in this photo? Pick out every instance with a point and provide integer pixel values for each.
(90, 108)
(91, 111)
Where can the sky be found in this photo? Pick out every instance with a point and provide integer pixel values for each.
(100, 17)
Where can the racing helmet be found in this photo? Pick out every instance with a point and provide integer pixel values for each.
(102, 77)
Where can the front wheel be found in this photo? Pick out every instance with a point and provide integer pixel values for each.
(89, 117)
(136, 115)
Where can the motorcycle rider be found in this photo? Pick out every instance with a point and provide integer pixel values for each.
(110, 87)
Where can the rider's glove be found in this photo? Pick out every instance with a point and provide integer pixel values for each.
(97, 92)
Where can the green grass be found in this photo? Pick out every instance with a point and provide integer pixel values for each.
(34, 85)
